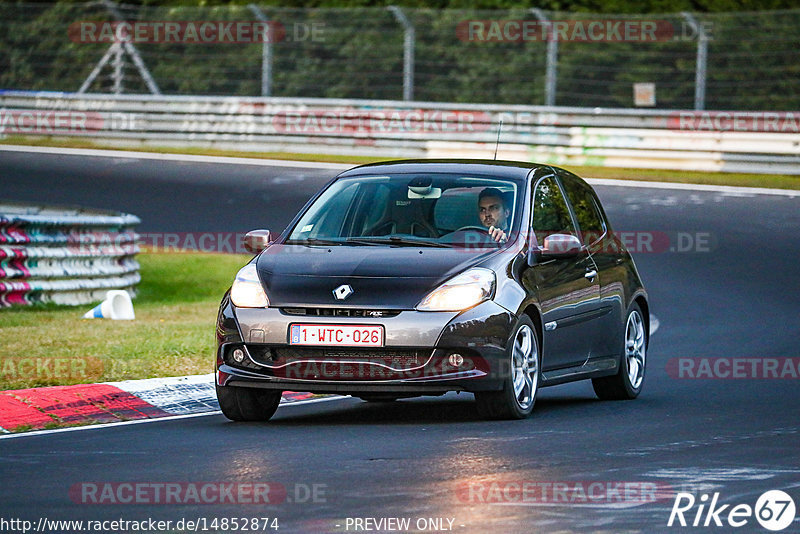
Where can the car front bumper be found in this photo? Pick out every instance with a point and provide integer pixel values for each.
(415, 358)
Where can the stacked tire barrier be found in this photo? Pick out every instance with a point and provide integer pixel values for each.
(64, 256)
(751, 142)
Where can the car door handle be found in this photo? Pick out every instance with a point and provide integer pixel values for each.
(590, 274)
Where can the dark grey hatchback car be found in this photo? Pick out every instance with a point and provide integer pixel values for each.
(411, 278)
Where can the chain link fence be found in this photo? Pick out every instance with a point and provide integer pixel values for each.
(723, 61)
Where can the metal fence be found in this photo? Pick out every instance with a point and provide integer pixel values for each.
(722, 61)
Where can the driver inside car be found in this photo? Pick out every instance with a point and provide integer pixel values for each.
(493, 213)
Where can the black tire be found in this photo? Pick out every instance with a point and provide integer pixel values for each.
(248, 404)
(620, 386)
(506, 403)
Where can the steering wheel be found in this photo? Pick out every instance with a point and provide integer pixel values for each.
(471, 227)
(482, 229)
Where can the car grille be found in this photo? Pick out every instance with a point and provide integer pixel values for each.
(399, 359)
(339, 312)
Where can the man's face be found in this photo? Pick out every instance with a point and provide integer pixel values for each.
(491, 212)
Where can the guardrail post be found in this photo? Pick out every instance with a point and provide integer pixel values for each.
(702, 54)
(266, 53)
(550, 77)
(408, 51)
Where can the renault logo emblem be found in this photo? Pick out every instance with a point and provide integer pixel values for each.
(342, 292)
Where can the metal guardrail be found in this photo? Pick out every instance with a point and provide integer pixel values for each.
(65, 256)
(752, 142)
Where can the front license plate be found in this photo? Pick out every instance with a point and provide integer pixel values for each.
(337, 335)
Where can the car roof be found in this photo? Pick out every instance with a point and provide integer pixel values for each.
(504, 169)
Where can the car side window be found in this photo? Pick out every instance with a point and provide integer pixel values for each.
(550, 212)
(590, 222)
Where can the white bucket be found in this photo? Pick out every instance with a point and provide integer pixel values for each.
(117, 306)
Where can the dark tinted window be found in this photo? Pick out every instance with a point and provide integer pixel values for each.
(590, 222)
(457, 208)
(550, 213)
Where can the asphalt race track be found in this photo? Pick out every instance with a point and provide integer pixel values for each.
(728, 289)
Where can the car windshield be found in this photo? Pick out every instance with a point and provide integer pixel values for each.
(432, 209)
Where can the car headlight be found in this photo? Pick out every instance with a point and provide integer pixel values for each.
(247, 291)
(460, 292)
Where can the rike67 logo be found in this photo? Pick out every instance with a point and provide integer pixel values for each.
(774, 510)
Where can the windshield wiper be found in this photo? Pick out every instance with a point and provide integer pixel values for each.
(395, 240)
(313, 241)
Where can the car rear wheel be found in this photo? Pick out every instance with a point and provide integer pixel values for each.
(516, 399)
(627, 383)
(248, 404)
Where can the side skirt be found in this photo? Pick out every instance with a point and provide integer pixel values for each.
(591, 369)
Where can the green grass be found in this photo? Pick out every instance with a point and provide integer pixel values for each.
(172, 335)
(774, 181)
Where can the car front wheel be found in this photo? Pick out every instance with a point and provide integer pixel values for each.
(627, 383)
(523, 364)
(248, 404)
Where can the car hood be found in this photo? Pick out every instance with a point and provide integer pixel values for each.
(381, 277)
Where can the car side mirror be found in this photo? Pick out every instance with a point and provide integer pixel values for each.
(257, 240)
(561, 246)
